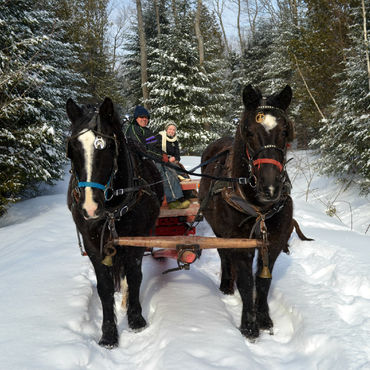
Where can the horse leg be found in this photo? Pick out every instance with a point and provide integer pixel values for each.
(227, 278)
(262, 308)
(134, 277)
(262, 290)
(245, 283)
(105, 289)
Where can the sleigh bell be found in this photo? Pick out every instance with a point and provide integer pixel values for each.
(265, 273)
(109, 251)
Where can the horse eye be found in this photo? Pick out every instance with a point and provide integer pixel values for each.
(99, 143)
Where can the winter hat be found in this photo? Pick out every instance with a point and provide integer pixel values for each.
(141, 112)
(168, 125)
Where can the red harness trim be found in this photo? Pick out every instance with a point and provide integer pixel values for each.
(265, 160)
(268, 160)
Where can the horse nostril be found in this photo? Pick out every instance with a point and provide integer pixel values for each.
(269, 192)
(91, 214)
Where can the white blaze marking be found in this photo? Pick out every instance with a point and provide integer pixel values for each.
(269, 122)
(271, 188)
(87, 141)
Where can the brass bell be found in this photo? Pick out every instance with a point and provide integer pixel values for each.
(107, 261)
(265, 273)
(109, 251)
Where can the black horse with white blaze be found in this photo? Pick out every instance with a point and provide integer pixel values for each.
(113, 191)
(257, 206)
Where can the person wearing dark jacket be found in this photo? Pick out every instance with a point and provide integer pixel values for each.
(138, 130)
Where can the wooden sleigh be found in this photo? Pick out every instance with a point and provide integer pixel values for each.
(174, 235)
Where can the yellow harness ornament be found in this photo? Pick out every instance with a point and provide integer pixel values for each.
(260, 117)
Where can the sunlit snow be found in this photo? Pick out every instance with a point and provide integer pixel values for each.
(319, 298)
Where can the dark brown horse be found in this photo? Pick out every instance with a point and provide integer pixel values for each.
(257, 206)
(113, 192)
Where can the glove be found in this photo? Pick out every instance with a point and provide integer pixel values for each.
(164, 157)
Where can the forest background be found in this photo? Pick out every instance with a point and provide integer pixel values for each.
(175, 57)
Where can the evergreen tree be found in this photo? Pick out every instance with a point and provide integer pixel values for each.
(344, 140)
(319, 43)
(265, 63)
(34, 85)
(131, 65)
(87, 31)
(182, 90)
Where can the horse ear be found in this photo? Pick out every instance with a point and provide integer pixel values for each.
(107, 108)
(250, 98)
(73, 110)
(285, 97)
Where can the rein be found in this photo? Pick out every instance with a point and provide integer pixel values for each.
(239, 180)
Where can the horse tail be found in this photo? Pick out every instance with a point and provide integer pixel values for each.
(120, 279)
(118, 271)
(299, 231)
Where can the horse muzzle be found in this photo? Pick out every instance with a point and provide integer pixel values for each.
(91, 204)
(269, 194)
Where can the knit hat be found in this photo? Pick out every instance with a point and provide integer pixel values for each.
(168, 125)
(141, 112)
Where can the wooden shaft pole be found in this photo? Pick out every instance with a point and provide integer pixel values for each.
(170, 242)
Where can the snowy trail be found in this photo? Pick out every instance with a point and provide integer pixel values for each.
(51, 314)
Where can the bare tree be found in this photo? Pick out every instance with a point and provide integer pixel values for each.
(241, 41)
(252, 15)
(271, 6)
(143, 54)
(218, 6)
(117, 35)
(198, 33)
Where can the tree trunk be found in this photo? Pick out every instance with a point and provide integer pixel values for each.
(156, 6)
(174, 12)
(252, 16)
(143, 55)
(218, 11)
(365, 39)
(239, 30)
(198, 33)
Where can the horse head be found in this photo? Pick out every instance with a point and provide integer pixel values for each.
(93, 151)
(264, 132)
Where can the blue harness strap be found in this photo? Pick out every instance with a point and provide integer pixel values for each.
(85, 184)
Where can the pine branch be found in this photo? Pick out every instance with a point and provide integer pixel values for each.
(307, 88)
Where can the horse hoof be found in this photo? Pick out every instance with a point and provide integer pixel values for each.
(227, 291)
(227, 288)
(251, 333)
(265, 322)
(137, 323)
(108, 343)
(109, 338)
